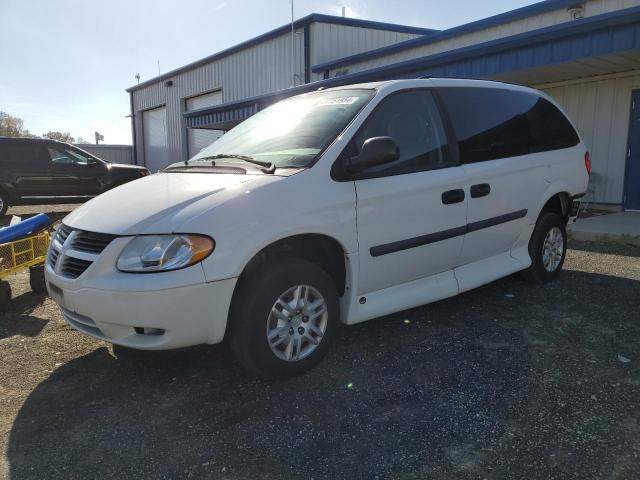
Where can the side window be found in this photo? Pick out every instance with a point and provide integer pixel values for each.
(25, 156)
(492, 123)
(550, 129)
(64, 156)
(413, 121)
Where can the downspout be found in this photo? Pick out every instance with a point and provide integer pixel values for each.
(307, 53)
(133, 130)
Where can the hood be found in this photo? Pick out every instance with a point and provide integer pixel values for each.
(161, 203)
(125, 166)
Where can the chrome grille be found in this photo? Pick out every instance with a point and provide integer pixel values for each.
(73, 251)
(91, 242)
(73, 267)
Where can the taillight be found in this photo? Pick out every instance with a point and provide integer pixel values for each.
(587, 163)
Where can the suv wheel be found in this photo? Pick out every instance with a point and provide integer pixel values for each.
(284, 318)
(547, 247)
(4, 203)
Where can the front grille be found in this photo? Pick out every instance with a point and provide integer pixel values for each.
(73, 267)
(76, 244)
(91, 242)
(82, 323)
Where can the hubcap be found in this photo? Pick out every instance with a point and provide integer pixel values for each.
(552, 249)
(297, 322)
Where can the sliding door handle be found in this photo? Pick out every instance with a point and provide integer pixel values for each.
(480, 190)
(453, 196)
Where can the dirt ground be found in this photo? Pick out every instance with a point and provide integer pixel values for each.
(507, 381)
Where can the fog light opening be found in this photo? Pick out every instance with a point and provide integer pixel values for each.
(149, 331)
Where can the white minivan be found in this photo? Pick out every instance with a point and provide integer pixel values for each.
(336, 206)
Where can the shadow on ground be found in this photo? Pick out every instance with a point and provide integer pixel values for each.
(19, 321)
(508, 381)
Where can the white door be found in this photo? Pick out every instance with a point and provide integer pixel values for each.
(411, 214)
(154, 134)
(199, 138)
(506, 174)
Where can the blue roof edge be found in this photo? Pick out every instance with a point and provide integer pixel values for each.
(300, 23)
(520, 13)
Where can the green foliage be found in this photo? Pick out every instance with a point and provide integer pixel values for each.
(61, 137)
(11, 126)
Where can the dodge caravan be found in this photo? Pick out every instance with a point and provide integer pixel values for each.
(336, 206)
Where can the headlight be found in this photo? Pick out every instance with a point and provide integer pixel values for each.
(161, 253)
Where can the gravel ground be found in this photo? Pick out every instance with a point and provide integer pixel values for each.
(507, 381)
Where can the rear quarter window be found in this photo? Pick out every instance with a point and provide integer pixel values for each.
(492, 123)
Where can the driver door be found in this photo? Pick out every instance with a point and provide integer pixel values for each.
(76, 174)
(411, 214)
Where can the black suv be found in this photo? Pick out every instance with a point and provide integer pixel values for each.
(37, 171)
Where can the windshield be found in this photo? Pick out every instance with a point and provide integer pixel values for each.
(293, 132)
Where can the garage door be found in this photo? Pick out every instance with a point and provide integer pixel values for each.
(154, 131)
(199, 138)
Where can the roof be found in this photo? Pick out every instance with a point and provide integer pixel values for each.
(502, 18)
(300, 23)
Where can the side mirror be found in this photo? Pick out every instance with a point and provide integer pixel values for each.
(375, 151)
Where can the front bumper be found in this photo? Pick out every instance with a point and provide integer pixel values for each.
(156, 311)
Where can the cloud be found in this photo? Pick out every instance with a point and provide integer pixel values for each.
(220, 6)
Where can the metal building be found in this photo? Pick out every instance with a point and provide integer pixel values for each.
(586, 54)
(110, 153)
(269, 63)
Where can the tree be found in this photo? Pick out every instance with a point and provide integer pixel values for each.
(11, 126)
(61, 137)
(82, 141)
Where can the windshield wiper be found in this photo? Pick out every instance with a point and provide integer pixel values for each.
(268, 167)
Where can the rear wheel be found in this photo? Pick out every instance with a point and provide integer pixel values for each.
(5, 296)
(36, 279)
(284, 318)
(547, 248)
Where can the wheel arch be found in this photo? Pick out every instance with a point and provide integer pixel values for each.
(320, 249)
(557, 200)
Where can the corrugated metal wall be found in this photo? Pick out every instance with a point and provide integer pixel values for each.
(264, 68)
(110, 153)
(330, 42)
(600, 109)
(592, 8)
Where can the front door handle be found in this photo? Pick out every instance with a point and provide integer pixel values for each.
(480, 190)
(453, 196)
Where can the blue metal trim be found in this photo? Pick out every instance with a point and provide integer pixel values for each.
(518, 14)
(300, 23)
(356, 22)
(538, 53)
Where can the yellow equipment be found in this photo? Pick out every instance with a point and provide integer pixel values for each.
(29, 252)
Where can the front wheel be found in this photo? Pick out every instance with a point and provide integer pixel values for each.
(547, 247)
(283, 318)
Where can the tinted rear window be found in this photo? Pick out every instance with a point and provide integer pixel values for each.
(21, 154)
(493, 123)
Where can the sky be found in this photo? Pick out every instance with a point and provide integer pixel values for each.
(65, 64)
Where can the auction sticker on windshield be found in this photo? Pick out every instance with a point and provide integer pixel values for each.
(337, 101)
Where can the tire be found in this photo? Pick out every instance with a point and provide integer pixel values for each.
(4, 202)
(549, 228)
(255, 313)
(5, 296)
(36, 279)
